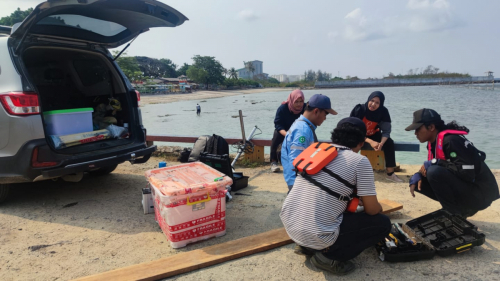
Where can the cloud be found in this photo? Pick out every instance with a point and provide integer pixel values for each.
(425, 4)
(358, 27)
(419, 16)
(248, 15)
(431, 15)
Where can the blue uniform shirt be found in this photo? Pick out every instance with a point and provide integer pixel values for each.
(297, 139)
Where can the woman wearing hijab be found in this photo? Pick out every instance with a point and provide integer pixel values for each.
(287, 113)
(378, 129)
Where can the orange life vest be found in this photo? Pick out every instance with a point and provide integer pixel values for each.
(314, 159)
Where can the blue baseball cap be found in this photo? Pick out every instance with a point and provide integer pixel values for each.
(322, 102)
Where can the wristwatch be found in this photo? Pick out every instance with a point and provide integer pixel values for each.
(434, 161)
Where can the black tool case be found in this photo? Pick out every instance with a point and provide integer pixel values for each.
(439, 233)
(222, 164)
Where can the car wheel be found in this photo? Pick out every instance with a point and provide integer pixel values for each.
(103, 171)
(4, 192)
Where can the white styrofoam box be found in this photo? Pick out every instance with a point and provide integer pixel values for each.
(190, 217)
(189, 202)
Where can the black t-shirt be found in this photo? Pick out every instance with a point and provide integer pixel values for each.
(285, 118)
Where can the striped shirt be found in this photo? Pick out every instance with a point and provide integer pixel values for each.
(311, 216)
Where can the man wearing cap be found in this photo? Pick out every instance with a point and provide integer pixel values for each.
(315, 217)
(455, 173)
(302, 133)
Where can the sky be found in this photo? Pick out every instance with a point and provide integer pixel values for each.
(355, 38)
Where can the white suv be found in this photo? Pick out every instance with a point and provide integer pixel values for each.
(57, 59)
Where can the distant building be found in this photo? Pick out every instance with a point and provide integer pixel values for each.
(247, 74)
(283, 78)
(294, 78)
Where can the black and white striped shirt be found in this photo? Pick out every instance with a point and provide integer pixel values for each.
(311, 216)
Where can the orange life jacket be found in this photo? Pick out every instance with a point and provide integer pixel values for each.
(314, 159)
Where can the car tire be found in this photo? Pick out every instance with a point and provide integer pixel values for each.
(4, 192)
(104, 170)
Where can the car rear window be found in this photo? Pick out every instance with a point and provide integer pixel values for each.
(91, 72)
(101, 27)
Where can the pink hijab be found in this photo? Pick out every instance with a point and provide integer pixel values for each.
(294, 95)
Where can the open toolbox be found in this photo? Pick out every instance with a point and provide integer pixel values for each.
(439, 233)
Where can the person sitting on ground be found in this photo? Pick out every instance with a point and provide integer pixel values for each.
(287, 113)
(198, 109)
(378, 129)
(455, 173)
(316, 220)
(302, 133)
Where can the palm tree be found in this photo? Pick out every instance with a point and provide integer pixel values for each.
(233, 73)
(250, 67)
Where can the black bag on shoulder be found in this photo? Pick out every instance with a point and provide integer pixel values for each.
(217, 145)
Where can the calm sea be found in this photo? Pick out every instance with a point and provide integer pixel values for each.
(476, 109)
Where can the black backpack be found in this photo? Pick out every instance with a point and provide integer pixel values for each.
(217, 145)
(184, 155)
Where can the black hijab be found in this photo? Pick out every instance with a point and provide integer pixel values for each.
(379, 115)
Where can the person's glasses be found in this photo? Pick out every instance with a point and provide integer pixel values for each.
(326, 112)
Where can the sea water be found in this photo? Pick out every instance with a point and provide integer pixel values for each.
(476, 109)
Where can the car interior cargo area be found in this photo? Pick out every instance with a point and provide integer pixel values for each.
(84, 103)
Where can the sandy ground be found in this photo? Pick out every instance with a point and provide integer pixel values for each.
(200, 95)
(44, 235)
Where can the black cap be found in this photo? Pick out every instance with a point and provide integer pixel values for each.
(421, 116)
(353, 121)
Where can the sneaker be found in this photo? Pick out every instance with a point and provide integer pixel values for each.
(335, 267)
(303, 251)
(274, 167)
(393, 178)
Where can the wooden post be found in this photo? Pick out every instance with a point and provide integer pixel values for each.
(257, 156)
(376, 158)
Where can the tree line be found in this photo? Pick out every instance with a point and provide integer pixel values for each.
(426, 72)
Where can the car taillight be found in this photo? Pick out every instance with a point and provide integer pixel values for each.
(20, 103)
(36, 164)
(138, 98)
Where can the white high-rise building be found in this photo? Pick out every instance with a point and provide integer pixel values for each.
(283, 78)
(246, 74)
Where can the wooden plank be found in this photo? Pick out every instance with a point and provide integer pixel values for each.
(193, 260)
(389, 206)
(189, 261)
(399, 146)
(192, 139)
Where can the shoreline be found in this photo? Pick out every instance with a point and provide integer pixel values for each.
(175, 97)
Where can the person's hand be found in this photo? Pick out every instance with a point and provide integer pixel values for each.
(423, 171)
(379, 147)
(415, 178)
(374, 145)
(412, 187)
